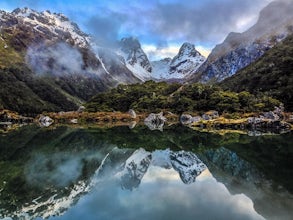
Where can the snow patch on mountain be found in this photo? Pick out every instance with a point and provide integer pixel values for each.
(46, 21)
(161, 68)
(135, 168)
(185, 163)
(135, 58)
(182, 65)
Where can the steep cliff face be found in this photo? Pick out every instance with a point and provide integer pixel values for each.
(239, 50)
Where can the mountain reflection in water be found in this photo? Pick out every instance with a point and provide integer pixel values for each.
(118, 173)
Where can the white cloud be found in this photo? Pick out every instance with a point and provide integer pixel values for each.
(157, 53)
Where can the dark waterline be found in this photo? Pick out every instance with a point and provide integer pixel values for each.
(119, 173)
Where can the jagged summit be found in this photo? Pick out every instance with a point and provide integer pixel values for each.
(135, 58)
(130, 43)
(188, 49)
(186, 61)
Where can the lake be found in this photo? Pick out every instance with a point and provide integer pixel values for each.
(137, 173)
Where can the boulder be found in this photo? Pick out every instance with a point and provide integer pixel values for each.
(132, 124)
(45, 121)
(271, 116)
(206, 117)
(155, 121)
(74, 121)
(210, 115)
(132, 113)
(186, 119)
(279, 111)
(81, 109)
(254, 120)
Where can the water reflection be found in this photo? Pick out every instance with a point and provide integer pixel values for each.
(162, 195)
(119, 173)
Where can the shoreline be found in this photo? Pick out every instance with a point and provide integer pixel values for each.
(110, 119)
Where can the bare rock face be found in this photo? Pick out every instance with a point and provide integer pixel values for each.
(155, 121)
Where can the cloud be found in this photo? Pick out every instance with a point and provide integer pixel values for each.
(158, 22)
(57, 59)
(210, 20)
(168, 22)
(156, 53)
(105, 28)
(154, 199)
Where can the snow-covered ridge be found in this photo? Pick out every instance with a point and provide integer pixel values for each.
(57, 24)
(182, 65)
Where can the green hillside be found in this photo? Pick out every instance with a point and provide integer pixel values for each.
(154, 97)
(272, 74)
(26, 92)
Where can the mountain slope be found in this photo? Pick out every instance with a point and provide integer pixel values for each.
(185, 62)
(273, 74)
(48, 59)
(239, 50)
(135, 58)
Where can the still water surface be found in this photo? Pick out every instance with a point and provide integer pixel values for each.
(121, 173)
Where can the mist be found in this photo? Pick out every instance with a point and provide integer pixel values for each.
(57, 59)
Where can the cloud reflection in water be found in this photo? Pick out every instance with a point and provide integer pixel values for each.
(162, 195)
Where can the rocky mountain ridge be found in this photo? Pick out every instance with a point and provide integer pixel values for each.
(181, 66)
(240, 49)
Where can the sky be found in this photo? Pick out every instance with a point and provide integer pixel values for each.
(161, 26)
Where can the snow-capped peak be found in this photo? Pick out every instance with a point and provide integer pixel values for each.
(184, 63)
(55, 24)
(188, 49)
(135, 58)
(24, 12)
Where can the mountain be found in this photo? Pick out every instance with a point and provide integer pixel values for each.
(135, 58)
(161, 68)
(185, 62)
(271, 74)
(185, 163)
(48, 64)
(240, 49)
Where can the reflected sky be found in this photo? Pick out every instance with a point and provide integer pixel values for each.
(162, 195)
(77, 174)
